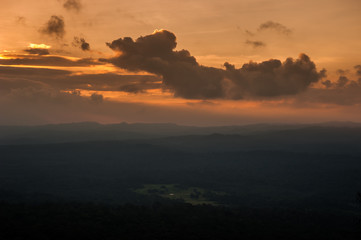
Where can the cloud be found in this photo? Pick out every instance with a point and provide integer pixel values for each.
(42, 60)
(249, 33)
(54, 27)
(358, 70)
(182, 74)
(255, 44)
(40, 94)
(9, 84)
(139, 87)
(73, 5)
(35, 96)
(273, 78)
(96, 98)
(347, 96)
(45, 105)
(20, 20)
(342, 72)
(32, 72)
(202, 103)
(278, 27)
(110, 82)
(12, 78)
(19, 77)
(38, 51)
(327, 83)
(344, 91)
(342, 81)
(80, 42)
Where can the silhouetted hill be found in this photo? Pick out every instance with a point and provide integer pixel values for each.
(88, 131)
(307, 139)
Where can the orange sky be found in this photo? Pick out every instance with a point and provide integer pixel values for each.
(79, 85)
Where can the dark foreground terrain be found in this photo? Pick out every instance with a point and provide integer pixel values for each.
(91, 181)
(168, 221)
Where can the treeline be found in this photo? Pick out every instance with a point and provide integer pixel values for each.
(167, 221)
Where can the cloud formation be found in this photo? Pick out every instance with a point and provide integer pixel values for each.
(344, 82)
(55, 27)
(41, 60)
(358, 70)
(249, 33)
(81, 43)
(255, 44)
(37, 51)
(327, 83)
(96, 98)
(343, 91)
(183, 75)
(32, 72)
(73, 5)
(21, 77)
(275, 26)
(342, 71)
(21, 20)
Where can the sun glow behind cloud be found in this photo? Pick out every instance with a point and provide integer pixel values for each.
(4, 56)
(43, 46)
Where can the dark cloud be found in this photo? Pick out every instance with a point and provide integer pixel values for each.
(202, 103)
(40, 94)
(255, 44)
(81, 43)
(186, 78)
(9, 84)
(270, 25)
(96, 98)
(273, 78)
(37, 51)
(348, 95)
(21, 20)
(131, 88)
(111, 82)
(32, 72)
(34, 96)
(344, 91)
(45, 105)
(249, 33)
(48, 61)
(54, 27)
(139, 87)
(107, 82)
(73, 5)
(12, 78)
(358, 70)
(342, 72)
(19, 77)
(327, 83)
(342, 81)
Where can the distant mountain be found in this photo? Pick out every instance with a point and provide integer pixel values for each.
(330, 140)
(91, 131)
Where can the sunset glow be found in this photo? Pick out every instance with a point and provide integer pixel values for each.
(252, 60)
(33, 45)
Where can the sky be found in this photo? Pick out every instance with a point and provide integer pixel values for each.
(199, 62)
